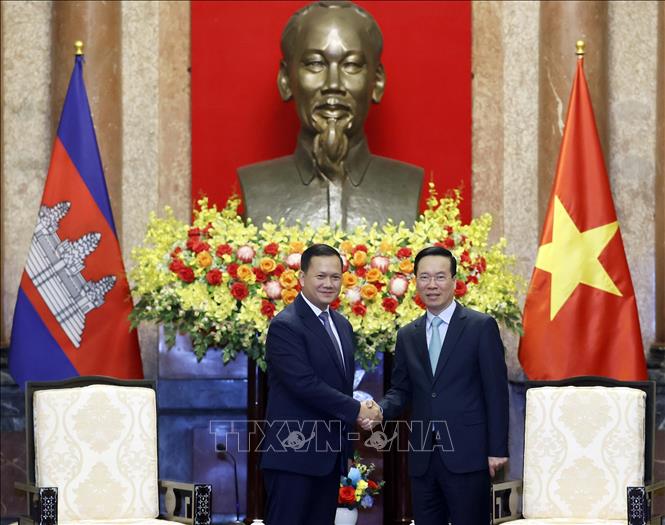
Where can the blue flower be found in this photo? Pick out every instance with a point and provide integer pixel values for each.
(354, 475)
(367, 501)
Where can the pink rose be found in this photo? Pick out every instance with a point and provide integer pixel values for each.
(273, 289)
(293, 261)
(245, 253)
(398, 285)
(380, 263)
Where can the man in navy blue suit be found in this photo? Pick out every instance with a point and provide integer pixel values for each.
(450, 370)
(309, 351)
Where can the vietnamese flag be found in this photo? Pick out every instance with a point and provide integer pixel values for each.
(580, 316)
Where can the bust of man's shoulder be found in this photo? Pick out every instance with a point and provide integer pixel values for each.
(401, 171)
(394, 176)
(268, 171)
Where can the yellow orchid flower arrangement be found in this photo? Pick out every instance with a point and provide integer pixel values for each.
(221, 279)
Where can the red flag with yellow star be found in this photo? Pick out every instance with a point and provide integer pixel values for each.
(580, 316)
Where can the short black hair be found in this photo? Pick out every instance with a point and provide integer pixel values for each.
(440, 252)
(318, 250)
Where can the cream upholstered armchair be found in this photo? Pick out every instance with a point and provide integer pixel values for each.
(588, 455)
(92, 457)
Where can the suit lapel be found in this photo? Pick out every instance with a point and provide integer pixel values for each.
(315, 325)
(420, 344)
(455, 329)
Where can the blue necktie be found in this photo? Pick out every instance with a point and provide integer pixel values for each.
(435, 343)
(326, 324)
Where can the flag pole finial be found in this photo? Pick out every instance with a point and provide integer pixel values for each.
(579, 48)
(78, 46)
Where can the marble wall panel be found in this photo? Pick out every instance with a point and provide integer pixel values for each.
(175, 172)
(631, 158)
(505, 131)
(140, 138)
(26, 136)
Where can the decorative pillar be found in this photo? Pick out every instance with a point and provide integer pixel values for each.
(98, 25)
(562, 23)
(657, 352)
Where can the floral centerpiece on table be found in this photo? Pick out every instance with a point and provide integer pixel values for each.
(357, 489)
(222, 279)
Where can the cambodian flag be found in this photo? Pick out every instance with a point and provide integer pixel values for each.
(73, 303)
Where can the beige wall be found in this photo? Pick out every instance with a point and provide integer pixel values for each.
(155, 147)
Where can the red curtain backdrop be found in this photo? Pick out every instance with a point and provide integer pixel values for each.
(238, 117)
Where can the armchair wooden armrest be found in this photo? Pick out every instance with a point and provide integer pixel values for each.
(187, 502)
(506, 496)
(42, 504)
(639, 504)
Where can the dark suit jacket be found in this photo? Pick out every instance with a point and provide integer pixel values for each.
(308, 392)
(469, 391)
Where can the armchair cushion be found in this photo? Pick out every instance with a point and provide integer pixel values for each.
(98, 445)
(582, 447)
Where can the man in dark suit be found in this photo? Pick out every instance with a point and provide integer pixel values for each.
(450, 370)
(309, 351)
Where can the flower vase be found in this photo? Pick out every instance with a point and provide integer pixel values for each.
(345, 516)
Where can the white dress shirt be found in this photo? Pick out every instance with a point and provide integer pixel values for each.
(317, 311)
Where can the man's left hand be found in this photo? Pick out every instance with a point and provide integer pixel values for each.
(495, 464)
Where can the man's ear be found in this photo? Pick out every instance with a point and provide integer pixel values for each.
(283, 82)
(379, 84)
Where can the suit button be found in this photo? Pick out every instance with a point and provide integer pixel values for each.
(433, 394)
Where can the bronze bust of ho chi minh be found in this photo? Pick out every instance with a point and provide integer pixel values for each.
(331, 67)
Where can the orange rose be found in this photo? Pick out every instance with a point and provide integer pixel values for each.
(296, 247)
(368, 292)
(346, 246)
(288, 280)
(374, 275)
(204, 259)
(245, 273)
(359, 258)
(267, 265)
(406, 266)
(349, 280)
(288, 296)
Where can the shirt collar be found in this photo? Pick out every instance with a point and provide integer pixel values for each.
(317, 311)
(356, 162)
(445, 315)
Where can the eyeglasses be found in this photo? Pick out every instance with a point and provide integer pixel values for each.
(439, 278)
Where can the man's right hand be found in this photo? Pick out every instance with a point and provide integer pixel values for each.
(369, 414)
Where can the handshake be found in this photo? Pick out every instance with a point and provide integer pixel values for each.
(369, 415)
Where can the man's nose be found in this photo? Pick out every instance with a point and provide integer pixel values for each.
(332, 78)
